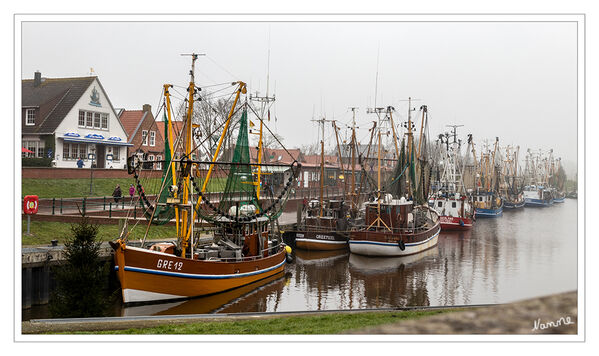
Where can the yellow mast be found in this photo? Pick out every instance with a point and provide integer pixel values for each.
(424, 111)
(185, 230)
(389, 111)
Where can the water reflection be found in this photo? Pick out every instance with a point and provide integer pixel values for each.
(392, 281)
(226, 302)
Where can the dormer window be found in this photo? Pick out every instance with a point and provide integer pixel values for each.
(152, 138)
(30, 117)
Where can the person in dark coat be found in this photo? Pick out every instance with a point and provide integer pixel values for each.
(79, 163)
(117, 194)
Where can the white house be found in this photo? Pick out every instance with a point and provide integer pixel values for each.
(71, 118)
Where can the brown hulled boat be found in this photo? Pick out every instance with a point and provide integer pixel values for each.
(236, 244)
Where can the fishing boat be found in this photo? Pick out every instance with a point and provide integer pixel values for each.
(324, 225)
(537, 195)
(451, 201)
(236, 244)
(536, 191)
(511, 187)
(395, 225)
(487, 201)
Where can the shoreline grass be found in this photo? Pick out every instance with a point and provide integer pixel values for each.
(43, 232)
(330, 323)
(101, 187)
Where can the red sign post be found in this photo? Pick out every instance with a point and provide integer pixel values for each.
(30, 205)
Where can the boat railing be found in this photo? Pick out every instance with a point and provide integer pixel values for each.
(249, 258)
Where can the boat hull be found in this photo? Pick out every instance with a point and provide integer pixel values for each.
(380, 243)
(320, 240)
(452, 223)
(513, 205)
(489, 213)
(147, 276)
(537, 202)
(559, 200)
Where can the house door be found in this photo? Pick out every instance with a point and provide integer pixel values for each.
(101, 156)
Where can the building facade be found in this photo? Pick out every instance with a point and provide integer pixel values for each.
(144, 135)
(70, 118)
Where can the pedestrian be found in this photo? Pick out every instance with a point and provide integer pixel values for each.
(117, 194)
(131, 191)
(304, 204)
(79, 163)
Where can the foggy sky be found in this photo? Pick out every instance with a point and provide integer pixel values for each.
(513, 80)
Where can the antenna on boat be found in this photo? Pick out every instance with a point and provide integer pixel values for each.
(193, 56)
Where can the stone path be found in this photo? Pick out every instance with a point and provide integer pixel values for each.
(549, 314)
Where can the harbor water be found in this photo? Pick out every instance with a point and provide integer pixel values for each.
(525, 253)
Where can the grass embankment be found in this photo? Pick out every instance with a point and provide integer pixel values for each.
(42, 232)
(334, 323)
(79, 187)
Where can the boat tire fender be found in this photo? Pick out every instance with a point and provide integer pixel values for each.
(402, 245)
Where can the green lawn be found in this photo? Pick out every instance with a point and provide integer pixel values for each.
(313, 324)
(79, 187)
(42, 232)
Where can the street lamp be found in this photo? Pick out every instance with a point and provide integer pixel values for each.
(91, 156)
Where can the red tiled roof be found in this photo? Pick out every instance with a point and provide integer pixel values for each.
(130, 119)
(330, 161)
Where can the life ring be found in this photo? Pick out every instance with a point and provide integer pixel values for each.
(401, 244)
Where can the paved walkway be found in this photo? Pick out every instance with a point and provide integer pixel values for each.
(546, 315)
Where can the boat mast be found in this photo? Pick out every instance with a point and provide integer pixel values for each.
(169, 135)
(353, 158)
(340, 158)
(187, 221)
(322, 167)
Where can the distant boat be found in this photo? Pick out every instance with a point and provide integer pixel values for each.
(451, 202)
(393, 225)
(487, 201)
(324, 224)
(537, 196)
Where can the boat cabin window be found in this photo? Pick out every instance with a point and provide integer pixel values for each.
(480, 198)
(453, 204)
(440, 204)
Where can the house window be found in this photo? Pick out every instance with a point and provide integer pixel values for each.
(40, 149)
(30, 117)
(152, 138)
(65, 151)
(96, 120)
(151, 158)
(144, 137)
(89, 119)
(81, 122)
(159, 164)
(82, 151)
(115, 153)
(105, 121)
